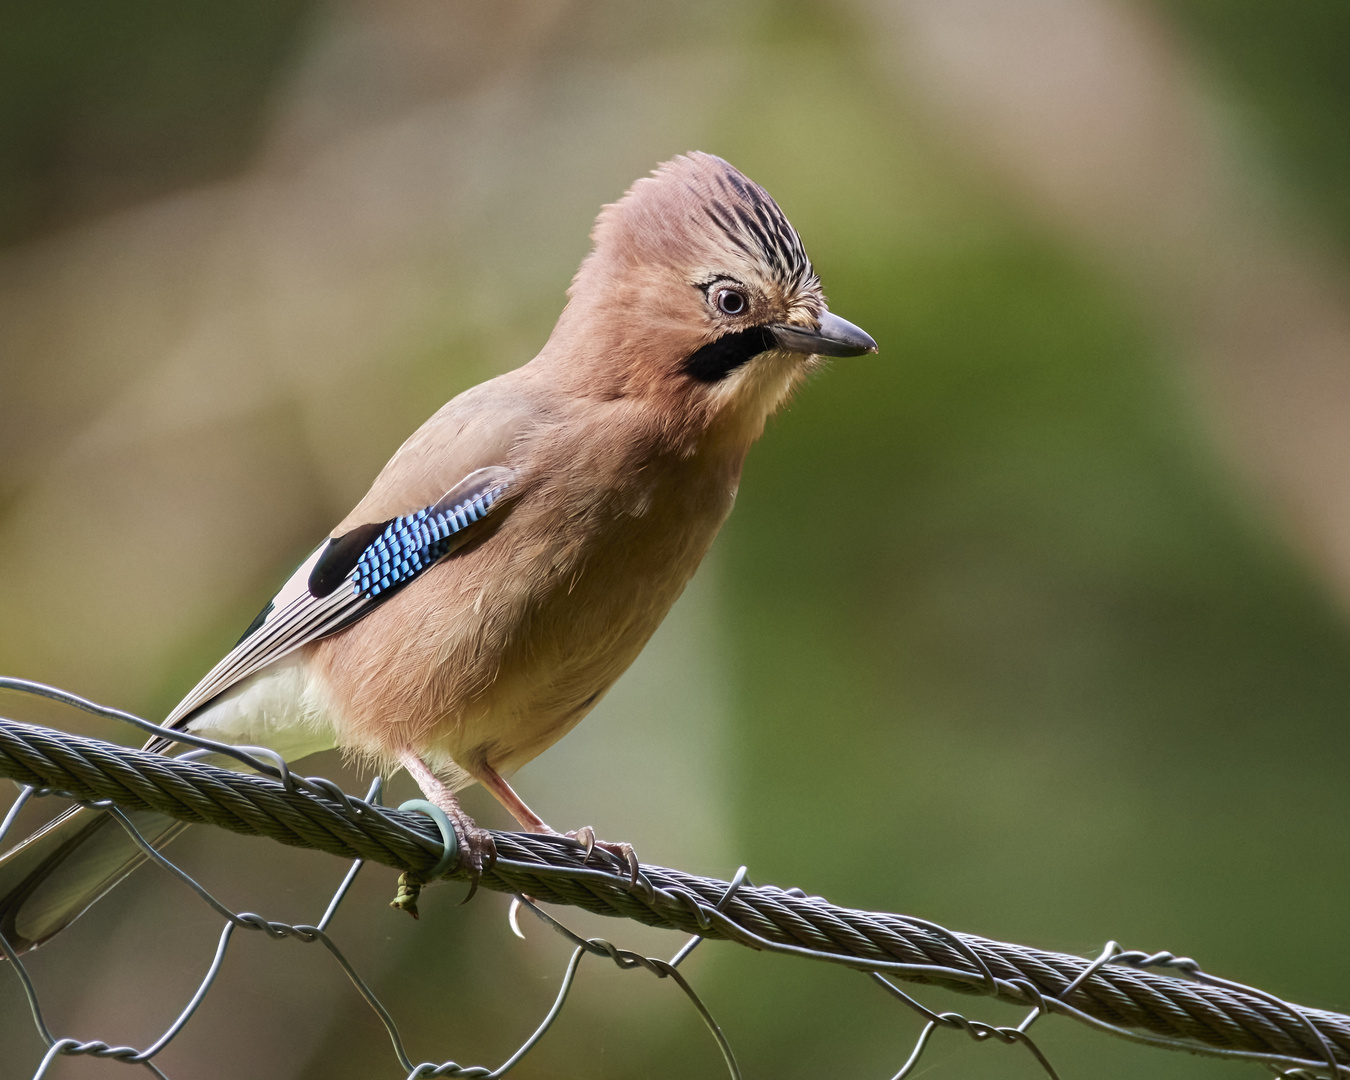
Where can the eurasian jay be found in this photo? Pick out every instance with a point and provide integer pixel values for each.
(516, 553)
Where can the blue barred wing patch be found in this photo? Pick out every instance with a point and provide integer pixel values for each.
(411, 543)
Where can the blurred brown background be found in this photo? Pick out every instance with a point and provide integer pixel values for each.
(1059, 653)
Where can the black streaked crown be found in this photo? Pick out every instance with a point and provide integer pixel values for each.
(751, 220)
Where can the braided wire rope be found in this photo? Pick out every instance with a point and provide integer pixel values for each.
(1178, 1007)
(130, 1055)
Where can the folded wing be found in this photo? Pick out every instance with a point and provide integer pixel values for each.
(350, 575)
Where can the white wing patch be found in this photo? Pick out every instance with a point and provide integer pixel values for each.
(405, 547)
(293, 619)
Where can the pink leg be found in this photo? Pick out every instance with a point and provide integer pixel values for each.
(515, 805)
(532, 822)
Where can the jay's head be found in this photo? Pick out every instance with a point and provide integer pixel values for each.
(699, 294)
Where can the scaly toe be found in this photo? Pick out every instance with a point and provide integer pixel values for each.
(478, 852)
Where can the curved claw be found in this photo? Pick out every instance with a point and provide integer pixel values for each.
(634, 867)
(586, 837)
(621, 851)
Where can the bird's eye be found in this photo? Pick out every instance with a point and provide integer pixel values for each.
(731, 302)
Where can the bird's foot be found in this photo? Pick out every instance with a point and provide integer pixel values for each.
(532, 822)
(623, 852)
(477, 852)
(477, 849)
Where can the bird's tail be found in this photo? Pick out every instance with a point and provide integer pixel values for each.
(52, 878)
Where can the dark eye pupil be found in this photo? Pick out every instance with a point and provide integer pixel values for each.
(731, 302)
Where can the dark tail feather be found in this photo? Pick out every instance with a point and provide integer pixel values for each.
(53, 877)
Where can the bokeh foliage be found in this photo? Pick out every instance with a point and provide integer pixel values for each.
(1282, 67)
(102, 105)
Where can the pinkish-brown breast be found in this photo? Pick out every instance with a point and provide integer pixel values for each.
(503, 647)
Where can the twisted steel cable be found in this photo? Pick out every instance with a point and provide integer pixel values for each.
(1113, 993)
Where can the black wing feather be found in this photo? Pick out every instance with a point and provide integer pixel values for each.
(340, 556)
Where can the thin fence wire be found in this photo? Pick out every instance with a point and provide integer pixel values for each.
(1158, 999)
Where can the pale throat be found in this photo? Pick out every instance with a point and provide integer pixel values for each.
(743, 401)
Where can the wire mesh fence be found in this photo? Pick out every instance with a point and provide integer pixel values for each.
(1157, 999)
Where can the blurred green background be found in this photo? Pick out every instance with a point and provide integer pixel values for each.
(1033, 625)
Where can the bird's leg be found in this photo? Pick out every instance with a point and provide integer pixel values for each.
(515, 805)
(532, 822)
(475, 844)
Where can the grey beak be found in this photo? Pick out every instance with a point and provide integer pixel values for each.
(834, 337)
